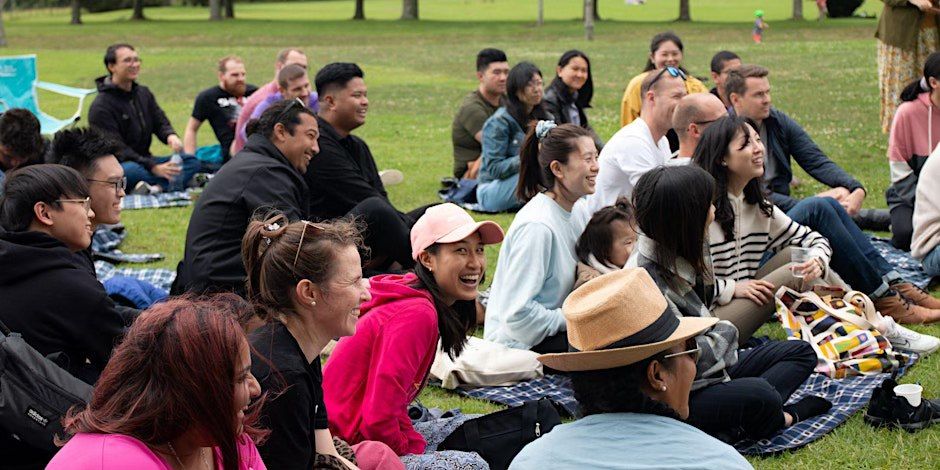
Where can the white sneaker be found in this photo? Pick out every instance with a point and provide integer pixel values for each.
(909, 340)
(391, 177)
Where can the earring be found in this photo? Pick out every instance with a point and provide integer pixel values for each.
(724, 163)
(663, 388)
(313, 303)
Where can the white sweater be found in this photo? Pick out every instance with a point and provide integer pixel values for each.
(927, 208)
(739, 258)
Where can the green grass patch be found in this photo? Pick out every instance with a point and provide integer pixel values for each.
(823, 74)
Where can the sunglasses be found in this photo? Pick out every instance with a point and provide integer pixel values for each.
(692, 349)
(293, 104)
(300, 243)
(673, 71)
(86, 202)
(119, 185)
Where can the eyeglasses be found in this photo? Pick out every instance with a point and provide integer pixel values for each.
(293, 104)
(702, 123)
(693, 350)
(119, 185)
(86, 203)
(673, 71)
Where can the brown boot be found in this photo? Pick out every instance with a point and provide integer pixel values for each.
(917, 295)
(904, 310)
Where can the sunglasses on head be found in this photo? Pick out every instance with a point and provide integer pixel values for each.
(293, 104)
(673, 71)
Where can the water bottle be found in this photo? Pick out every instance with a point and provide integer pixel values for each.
(177, 160)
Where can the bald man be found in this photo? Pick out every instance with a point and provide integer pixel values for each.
(692, 116)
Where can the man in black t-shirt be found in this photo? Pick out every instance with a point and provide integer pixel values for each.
(220, 105)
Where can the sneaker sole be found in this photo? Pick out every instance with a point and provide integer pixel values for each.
(391, 177)
(879, 422)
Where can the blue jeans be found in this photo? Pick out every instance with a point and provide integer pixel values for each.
(931, 262)
(498, 195)
(853, 256)
(135, 173)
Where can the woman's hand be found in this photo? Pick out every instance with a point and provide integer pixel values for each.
(759, 291)
(811, 270)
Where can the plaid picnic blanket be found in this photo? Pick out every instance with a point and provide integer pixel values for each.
(909, 268)
(161, 278)
(105, 242)
(154, 201)
(847, 396)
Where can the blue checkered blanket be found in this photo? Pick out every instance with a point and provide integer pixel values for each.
(161, 278)
(154, 201)
(847, 396)
(105, 242)
(909, 268)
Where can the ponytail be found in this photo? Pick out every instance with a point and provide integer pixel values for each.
(922, 85)
(530, 173)
(545, 143)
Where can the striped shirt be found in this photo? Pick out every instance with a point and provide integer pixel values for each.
(739, 258)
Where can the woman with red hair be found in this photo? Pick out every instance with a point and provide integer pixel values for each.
(175, 395)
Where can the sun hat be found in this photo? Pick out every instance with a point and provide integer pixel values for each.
(448, 223)
(618, 319)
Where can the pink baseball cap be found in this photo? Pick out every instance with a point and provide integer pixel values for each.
(448, 223)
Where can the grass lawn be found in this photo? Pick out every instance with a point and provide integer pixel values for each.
(823, 75)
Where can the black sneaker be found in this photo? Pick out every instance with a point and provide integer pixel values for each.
(879, 412)
(889, 410)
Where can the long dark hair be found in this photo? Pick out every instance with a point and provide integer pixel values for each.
(175, 369)
(671, 206)
(535, 157)
(619, 390)
(709, 155)
(931, 70)
(597, 236)
(454, 323)
(657, 41)
(587, 91)
(519, 77)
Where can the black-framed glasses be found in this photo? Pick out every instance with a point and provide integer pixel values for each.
(673, 71)
(702, 123)
(86, 202)
(119, 185)
(293, 104)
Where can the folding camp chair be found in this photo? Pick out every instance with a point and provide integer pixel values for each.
(18, 84)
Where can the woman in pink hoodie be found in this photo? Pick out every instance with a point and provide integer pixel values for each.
(915, 133)
(372, 376)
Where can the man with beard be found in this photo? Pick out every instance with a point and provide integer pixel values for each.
(220, 105)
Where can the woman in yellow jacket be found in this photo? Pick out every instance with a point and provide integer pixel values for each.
(665, 51)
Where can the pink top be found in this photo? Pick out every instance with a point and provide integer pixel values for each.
(250, 104)
(915, 130)
(372, 376)
(87, 451)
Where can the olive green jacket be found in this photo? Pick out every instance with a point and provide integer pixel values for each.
(899, 24)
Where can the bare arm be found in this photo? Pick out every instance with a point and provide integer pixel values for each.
(189, 138)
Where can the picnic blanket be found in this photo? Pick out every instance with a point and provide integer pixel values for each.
(909, 268)
(847, 396)
(155, 201)
(106, 240)
(161, 278)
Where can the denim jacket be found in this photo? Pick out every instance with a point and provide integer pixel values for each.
(502, 140)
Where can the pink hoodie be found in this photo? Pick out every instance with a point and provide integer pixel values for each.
(915, 130)
(372, 376)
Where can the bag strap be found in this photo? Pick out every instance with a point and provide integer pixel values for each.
(3, 329)
(530, 410)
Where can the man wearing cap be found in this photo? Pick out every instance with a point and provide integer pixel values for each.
(632, 363)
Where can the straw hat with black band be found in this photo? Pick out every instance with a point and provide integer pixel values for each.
(618, 319)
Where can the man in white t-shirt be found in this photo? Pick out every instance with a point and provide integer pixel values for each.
(638, 147)
(692, 116)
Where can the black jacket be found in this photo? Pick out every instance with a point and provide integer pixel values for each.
(342, 175)
(131, 117)
(558, 99)
(57, 305)
(258, 177)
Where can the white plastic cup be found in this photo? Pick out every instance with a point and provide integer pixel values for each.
(910, 392)
(799, 256)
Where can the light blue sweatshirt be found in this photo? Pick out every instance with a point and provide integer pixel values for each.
(534, 275)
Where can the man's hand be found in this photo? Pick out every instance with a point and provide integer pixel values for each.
(473, 169)
(853, 202)
(761, 292)
(168, 170)
(175, 143)
(838, 193)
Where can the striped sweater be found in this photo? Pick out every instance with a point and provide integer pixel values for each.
(739, 258)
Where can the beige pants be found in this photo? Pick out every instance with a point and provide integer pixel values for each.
(749, 316)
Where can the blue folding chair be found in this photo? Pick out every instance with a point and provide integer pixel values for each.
(18, 84)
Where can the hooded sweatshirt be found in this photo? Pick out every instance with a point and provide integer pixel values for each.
(915, 130)
(131, 118)
(59, 307)
(372, 376)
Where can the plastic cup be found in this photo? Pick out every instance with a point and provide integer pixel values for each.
(910, 392)
(799, 256)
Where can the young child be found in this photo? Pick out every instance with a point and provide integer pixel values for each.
(759, 26)
(607, 241)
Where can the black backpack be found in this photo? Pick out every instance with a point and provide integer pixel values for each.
(35, 393)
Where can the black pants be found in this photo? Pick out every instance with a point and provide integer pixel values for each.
(902, 226)
(387, 232)
(750, 405)
(556, 343)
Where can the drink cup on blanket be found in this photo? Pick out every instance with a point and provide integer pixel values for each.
(910, 392)
(799, 256)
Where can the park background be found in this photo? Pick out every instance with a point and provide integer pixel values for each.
(823, 74)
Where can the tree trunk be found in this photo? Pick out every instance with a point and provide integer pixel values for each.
(76, 12)
(597, 16)
(360, 13)
(138, 10)
(684, 13)
(540, 20)
(589, 14)
(215, 10)
(3, 33)
(409, 9)
(229, 9)
(797, 9)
